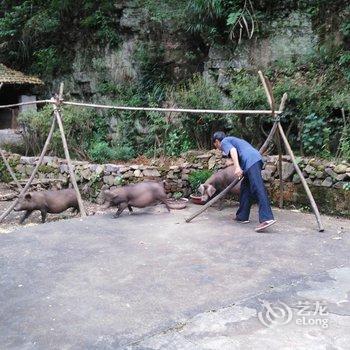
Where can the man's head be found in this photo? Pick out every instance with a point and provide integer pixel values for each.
(217, 137)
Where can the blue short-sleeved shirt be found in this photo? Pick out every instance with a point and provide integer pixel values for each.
(247, 154)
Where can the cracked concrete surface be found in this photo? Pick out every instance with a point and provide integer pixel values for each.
(151, 281)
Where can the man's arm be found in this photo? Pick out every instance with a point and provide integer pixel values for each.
(236, 166)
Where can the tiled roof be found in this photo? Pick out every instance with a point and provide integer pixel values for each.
(10, 76)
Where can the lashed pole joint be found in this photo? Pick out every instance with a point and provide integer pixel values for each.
(56, 104)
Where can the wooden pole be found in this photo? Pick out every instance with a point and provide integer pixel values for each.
(280, 173)
(269, 95)
(271, 100)
(303, 181)
(25, 188)
(66, 152)
(25, 104)
(179, 110)
(269, 138)
(8, 166)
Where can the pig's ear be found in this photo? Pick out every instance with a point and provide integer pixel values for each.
(28, 196)
(211, 190)
(201, 189)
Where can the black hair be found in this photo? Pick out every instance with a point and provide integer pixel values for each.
(218, 135)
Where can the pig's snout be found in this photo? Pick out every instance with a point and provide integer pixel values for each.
(204, 198)
(18, 207)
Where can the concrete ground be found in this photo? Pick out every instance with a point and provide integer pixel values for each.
(151, 281)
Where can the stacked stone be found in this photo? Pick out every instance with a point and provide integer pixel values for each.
(176, 176)
(317, 172)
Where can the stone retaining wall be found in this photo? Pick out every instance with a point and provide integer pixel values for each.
(329, 181)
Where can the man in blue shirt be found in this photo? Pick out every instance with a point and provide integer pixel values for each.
(247, 161)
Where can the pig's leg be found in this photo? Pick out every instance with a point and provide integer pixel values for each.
(43, 215)
(164, 201)
(121, 207)
(130, 208)
(25, 216)
(220, 205)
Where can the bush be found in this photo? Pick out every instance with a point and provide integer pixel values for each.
(82, 128)
(198, 177)
(315, 136)
(197, 94)
(102, 152)
(123, 152)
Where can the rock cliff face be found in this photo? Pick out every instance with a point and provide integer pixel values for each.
(181, 53)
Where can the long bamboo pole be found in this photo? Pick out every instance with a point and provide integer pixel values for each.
(271, 100)
(280, 172)
(148, 109)
(269, 95)
(40, 102)
(303, 181)
(179, 110)
(9, 169)
(66, 152)
(25, 188)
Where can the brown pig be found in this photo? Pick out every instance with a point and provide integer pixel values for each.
(52, 202)
(139, 195)
(217, 183)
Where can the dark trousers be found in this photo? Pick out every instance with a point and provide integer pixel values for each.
(252, 187)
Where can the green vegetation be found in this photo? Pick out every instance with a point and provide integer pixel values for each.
(83, 129)
(198, 177)
(37, 36)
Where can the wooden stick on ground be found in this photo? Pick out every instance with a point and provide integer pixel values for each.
(214, 200)
(25, 188)
(66, 152)
(8, 166)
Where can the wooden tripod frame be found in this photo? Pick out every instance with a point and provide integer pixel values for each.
(56, 102)
(278, 132)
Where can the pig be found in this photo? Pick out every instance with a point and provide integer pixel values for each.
(218, 182)
(52, 202)
(139, 195)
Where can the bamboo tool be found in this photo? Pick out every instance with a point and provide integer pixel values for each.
(214, 200)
